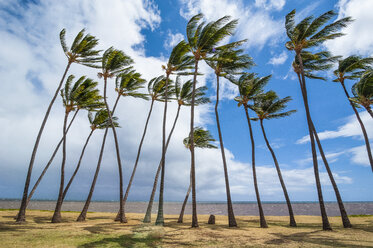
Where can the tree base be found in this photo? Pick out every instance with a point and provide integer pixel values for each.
(56, 217)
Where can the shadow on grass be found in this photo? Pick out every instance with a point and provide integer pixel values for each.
(128, 240)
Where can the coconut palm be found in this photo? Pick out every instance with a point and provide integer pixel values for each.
(227, 62)
(202, 40)
(81, 52)
(309, 33)
(83, 93)
(313, 63)
(127, 84)
(352, 68)
(98, 122)
(183, 95)
(115, 62)
(178, 62)
(249, 87)
(363, 91)
(269, 106)
(202, 139)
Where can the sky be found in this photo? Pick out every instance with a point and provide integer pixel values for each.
(32, 63)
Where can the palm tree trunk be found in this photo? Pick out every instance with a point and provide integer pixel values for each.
(77, 166)
(366, 139)
(49, 162)
(147, 218)
(84, 211)
(57, 212)
(263, 222)
(121, 210)
(302, 81)
(291, 213)
(136, 162)
(368, 108)
(181, 216)
(231, 218)
(22, 210)
(160, 218)
(194, 203)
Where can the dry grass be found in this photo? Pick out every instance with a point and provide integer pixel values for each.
(101, 231)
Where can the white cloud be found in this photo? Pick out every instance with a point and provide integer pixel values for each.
(279, 59)
(270, 4)
(173, 39)
(358, 38)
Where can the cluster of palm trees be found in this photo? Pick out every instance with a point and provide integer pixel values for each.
(204, 42)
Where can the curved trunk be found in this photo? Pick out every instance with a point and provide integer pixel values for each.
(160, 218)
(302, 81)
(291, 213)
(77, 166)
(231, 218)
(147, 218)
(369, 109)
(57, 212)
(366, 139)
(263, 222)
(84, 211)
(21, 217)
(50, 161)
(136, 162)
(121, 210)
(181, 216)
(194, 203)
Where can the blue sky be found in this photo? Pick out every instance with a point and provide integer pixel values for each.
(32, 63)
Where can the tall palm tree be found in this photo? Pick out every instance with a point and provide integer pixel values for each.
(127, 84)
(352, 68)
(183, 95)
(227, 62)
(269, 106)
(82, 93)
(97, 122)
(81, 52)
(307, 34)
(313, 63)
(156, 91)
(203, 40)
(178, 62)
(363, 91)
(202, 139)
(249, 87)
(115, 62)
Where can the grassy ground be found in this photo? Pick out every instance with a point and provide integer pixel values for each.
(101, 231)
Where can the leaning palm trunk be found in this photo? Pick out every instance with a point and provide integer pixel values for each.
(136, 162)
(77, 166)
(22, 210)
(181, 216)
(121, 210)
(57, 212)
(84, 211)
(366, 139)
(291, 213)
(231, 218)
(325, 221)
(263, 222)
(147, 218)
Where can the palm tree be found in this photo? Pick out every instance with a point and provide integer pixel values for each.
(98, 122)
(115, 62)
(227, 62)
(268, 106)
(178, 62)
(309, 33)
(249, 87)
(82, 93)
(81, 52)
(363, 91)
(183, 95)
(202, 40)
(202, 139)
(313, 63)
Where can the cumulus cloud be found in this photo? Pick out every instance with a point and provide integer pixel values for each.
(279, 59)
(270, 4)
(172, 39)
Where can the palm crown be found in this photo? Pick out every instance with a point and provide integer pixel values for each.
(128, 84)
(101, 119)
(83, 94)
(202, 139)
(157, 88)
(183, 93)
(81, 50)
(351, 68)
(114, 62)
(179, 60)
(270, 106)
(363, 90)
